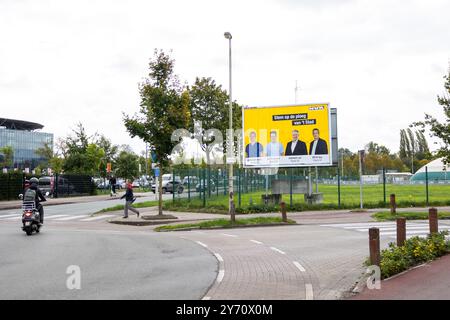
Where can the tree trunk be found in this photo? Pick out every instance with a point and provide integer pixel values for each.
(160, 212)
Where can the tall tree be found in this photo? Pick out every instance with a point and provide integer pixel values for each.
(437, 128)
(209, 105)
(6, 156)
(164, 108)
(127, 165)
(82, 154)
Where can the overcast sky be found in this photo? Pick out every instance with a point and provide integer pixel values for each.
(381, 63)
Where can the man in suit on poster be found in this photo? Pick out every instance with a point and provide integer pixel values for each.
(317, 146)
(296, 147)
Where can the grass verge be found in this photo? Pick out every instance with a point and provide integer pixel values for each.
(225, 223)
(387, 216)
(145, 204)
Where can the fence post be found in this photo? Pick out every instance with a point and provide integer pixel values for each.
(224, 182)
(204, 187)
(392, 204)
(433, 220)
(173, 185)
(384, 186)
(217, 182)
(374, 246)
(339, 187)
(401, 231)
(290, 187)
(9, 186)
(283, 211)
(189, 186)
(55, 186)
(239, 187)
(426, 184)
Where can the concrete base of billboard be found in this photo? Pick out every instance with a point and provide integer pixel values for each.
(271, 199)
(314, 198)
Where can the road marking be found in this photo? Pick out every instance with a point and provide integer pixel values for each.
(202, 244)
(309, 291)
(299, 266)
(220, 275)
(229, 235)
(72, 217)
(219, 257)
(55, 216)
(395, 228)
(277, 250)
(256, 241)
(98, 218)
(206, 298)
(9, 215)
(390, 233)
(15, 218)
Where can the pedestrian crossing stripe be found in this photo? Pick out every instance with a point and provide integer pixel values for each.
(58, 217)
(389, 229)
(98, 218)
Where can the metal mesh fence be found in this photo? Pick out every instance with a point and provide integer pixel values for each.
(67, 185)
(299, 187)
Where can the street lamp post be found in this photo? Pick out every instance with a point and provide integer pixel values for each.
(230, 135)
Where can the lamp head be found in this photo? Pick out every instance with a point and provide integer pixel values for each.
(227, 35)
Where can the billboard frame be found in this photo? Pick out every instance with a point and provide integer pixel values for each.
(330, 164)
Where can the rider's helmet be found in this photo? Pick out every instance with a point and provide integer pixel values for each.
(34, 181)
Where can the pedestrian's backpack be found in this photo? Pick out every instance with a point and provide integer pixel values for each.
(30, 195)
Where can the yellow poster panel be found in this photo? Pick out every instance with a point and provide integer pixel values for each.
(286, 136)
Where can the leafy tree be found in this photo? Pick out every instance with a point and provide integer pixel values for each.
(164, 108)
(439, 129)
(82, 154)
(51, 159)
(209, 105)
(6, 156)
(110, 152)
(127, 165)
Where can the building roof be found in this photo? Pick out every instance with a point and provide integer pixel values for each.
(436, 170)
(19, 124)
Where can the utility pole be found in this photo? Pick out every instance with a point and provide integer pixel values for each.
(231, 136)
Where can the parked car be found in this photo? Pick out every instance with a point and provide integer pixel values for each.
(169, 185)
(203, 185)
(191, 180)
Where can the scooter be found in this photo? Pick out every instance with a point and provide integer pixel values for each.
(30, 218)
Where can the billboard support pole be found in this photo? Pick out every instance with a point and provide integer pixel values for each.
(360, 180)
(317, 180)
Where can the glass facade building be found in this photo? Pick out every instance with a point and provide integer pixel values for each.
(24, 143)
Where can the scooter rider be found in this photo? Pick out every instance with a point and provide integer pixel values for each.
(34, 193)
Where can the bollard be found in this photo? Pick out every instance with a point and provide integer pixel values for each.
(401, 231)
(392, 203)
(374, 246)
(283, 211)
(433, 220)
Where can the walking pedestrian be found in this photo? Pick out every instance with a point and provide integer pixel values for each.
(129, 199)
(112, 183)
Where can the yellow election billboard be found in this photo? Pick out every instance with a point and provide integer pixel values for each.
(287, 136)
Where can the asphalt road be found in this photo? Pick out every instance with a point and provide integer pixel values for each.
(113, 265)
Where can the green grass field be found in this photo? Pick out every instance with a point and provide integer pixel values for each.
(406, 196)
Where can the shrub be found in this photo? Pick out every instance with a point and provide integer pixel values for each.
(415, 251)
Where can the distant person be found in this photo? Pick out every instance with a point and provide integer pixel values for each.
(274, 148)
(254, 149)
(296, 147)
(129, 199)
(112, 183)
(317, 146)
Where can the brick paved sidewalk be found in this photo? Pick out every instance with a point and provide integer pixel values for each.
(428, 282)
